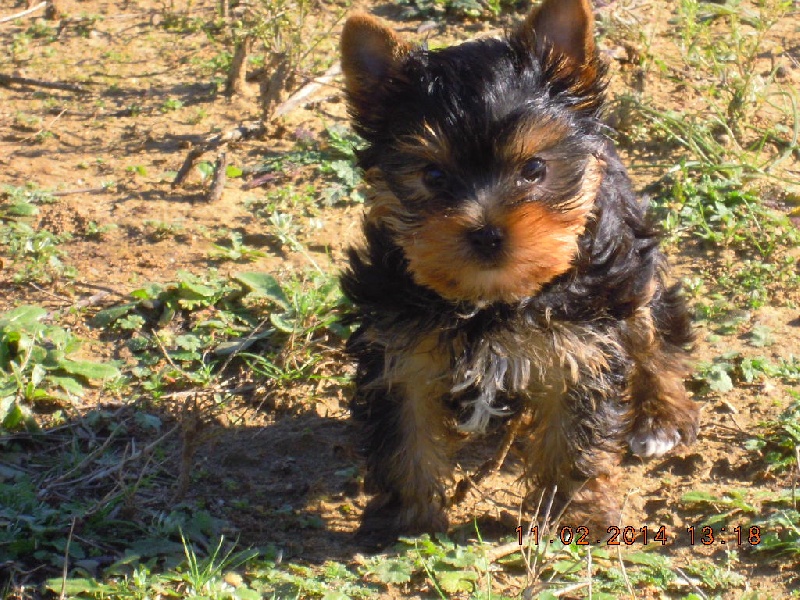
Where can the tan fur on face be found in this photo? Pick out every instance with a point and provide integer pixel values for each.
(532, 137)
(428, 146)
(384, 208)
(542, 243)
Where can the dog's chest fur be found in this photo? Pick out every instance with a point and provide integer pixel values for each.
(486, 369)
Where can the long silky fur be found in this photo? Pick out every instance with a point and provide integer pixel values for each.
(584, 351)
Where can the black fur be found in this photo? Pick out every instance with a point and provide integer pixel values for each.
(619, 257)
(476, 95)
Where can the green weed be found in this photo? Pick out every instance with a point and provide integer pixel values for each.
(85, 24)
(330, 581)
(162, 230)
(236, 250)
(20, 202)
(218, 64)
(185, 332)
(334, 159)
(781, 535)
(19, 47)
(768, 522)
(199, 116)
(37, 253)
(139, 170)
(36, 364)
(183, 23)
(778, 442)
(723, 213)
(171, 105)
(732, 505)
(458, 8)
(722, 46)
(42, 31)
(285, 229)
(205, 576)
(726, 156)
(98, 232)
(725, 371)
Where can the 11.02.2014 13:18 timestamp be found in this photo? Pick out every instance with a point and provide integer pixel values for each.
(629, 535)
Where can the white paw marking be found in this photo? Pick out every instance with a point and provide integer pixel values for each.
(653, 443)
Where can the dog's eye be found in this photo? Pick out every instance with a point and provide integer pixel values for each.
(434, 178)
(534, 170)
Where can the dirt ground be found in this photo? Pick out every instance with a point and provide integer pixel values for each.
(111, 153)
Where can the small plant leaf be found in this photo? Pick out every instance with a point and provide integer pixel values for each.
(697, 496)
(205, 169)
(239, 345)
(79, 587)
(68, 384)
(11, 413)
(21, 209)
(456, 581)
(281, 323)
(24, 316)
(761, 336)
(393, 571)
(108, 316)
(329, 596)
(89, 370)
(149, 292)
(264, 285)
(719, 380)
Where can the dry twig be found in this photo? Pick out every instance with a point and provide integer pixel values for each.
(191, 424)
(495, 554)
(238, 70)
(218, 179)
(9, 80)
(23, 13)
(63, 480)
(245, 131)
(92, 300)
(97, 190)
(272, 84)
(65, 570)
(304, 93)
(494, 463)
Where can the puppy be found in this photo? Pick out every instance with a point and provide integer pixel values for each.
(507, 269)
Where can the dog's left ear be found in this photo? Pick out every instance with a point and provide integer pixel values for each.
(563, 27)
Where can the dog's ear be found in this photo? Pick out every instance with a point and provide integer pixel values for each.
(370, 49)
(565, 27)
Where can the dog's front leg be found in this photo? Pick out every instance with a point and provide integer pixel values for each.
(408, 437)
(573, 447)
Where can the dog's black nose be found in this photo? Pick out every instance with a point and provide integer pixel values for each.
(486, 241)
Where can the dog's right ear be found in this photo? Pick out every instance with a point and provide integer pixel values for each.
(566, 27)
(370, 50)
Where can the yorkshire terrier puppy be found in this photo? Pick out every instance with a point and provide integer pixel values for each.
(508, 268)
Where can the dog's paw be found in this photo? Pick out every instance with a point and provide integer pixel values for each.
(385, 518)
(653, 436)
(653, 443)
(656, 432)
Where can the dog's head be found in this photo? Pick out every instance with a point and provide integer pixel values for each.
(482, 156)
